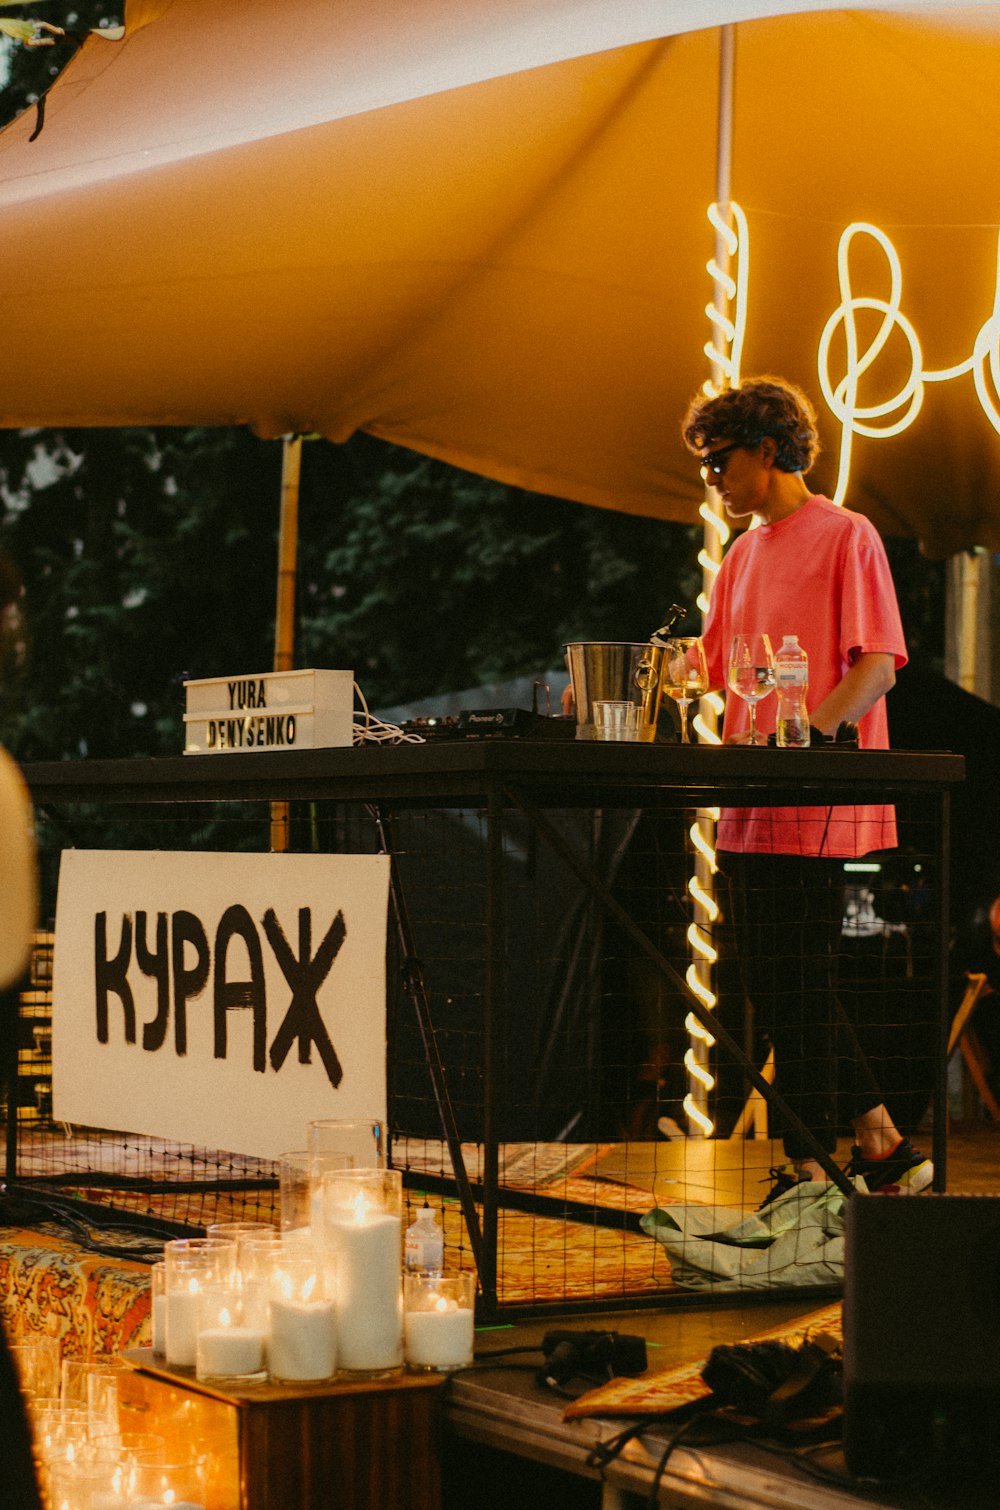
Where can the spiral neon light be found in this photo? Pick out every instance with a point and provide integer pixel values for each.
(703, 848)
(717, 534)
(724, 349)
(726, 314)
(698, 1072)
(706, 901)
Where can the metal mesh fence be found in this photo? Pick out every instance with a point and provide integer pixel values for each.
(565, 1042)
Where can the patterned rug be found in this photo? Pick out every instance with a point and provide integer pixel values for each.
(93, 1305)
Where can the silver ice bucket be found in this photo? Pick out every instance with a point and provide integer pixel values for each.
(615, 672)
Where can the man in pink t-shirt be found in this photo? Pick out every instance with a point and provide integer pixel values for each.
(819, 571)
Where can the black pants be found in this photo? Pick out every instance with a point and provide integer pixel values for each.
(787, 912)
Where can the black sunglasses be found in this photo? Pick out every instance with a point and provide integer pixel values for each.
(715, 462)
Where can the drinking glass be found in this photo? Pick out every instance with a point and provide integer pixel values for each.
(751, 676)
(684, 674)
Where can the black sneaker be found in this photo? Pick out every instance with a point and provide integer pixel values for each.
(785, 1178)
(904, 1172)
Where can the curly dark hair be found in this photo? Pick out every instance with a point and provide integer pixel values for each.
(759, 406)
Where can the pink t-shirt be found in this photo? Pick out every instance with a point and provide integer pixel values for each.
(820, 573)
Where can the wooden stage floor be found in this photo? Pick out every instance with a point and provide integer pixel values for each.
(508, 1433)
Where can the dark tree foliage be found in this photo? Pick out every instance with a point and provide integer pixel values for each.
(149, 556)
(146, 556)
(30, 70)
(426, 579)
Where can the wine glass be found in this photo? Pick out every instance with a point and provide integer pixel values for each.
(751, 676)
(684, 675)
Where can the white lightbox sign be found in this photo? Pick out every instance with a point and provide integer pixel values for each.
(272, 710)
(224, 1000)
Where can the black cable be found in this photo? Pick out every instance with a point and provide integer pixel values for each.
(653, 1498)
(604, 1453)
(505, 1352)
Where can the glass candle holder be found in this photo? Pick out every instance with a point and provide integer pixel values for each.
(439, 1321)
(168, 1486)
(125, 1448)
(37, 1362)
(323, 1161)
(193, 1264)
(102, 1398)
(239, 1233)
(84, 1482)
(227, 1347)
(361, 1139)
(257, 1253)
(60, 1434)
(363, 1228)
(302, 1317)
(76, 1375)
(294, 1190)
(256, 1260)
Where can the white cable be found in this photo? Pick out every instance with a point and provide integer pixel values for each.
(371, 730)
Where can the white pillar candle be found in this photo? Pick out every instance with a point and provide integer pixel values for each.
(370, 1300)
(441, 1337)
(182, 1324)
(302, 1339)
(229, 1352)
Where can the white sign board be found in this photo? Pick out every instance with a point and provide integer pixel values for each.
(220, 1000)
(272, 710)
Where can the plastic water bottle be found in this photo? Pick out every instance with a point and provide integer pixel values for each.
(791, 668)
(424, 1243)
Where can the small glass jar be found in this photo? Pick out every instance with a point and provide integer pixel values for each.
(227, 1348)
(302, 1317)
(363, 1227)
(168, 1486)
(439, 1322)
(193, 1264)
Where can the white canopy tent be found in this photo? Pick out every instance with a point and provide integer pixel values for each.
(480, 232)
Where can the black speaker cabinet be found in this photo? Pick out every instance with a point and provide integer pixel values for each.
(922, 1336)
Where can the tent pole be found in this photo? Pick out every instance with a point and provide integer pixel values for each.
(724, 137)
(288, 545)
(284, 616)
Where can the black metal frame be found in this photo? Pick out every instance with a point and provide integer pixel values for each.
(502, 775)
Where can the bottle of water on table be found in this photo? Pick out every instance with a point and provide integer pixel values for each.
(791, 670)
